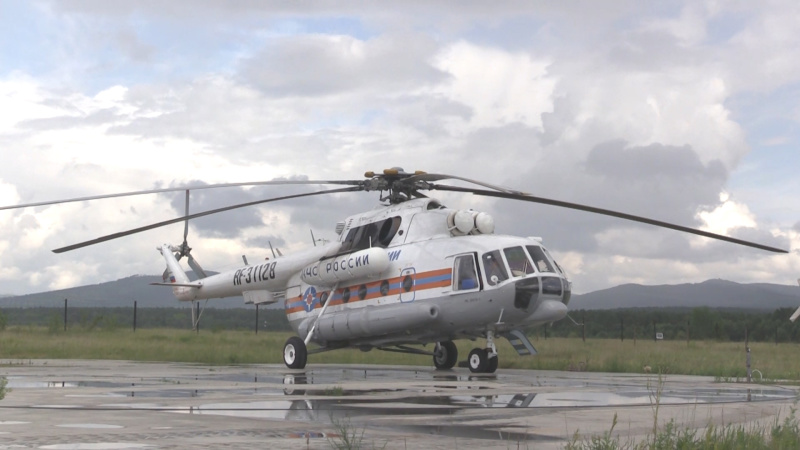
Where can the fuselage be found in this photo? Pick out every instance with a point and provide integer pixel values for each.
(413, 272)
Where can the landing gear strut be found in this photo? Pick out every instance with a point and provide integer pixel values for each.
(484, 360)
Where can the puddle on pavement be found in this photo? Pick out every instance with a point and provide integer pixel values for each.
(325, 395)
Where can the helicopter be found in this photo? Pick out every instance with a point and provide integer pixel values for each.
(409, 273)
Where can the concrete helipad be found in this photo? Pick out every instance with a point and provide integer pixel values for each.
(77, 404)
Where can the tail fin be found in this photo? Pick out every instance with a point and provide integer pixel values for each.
(174, 270)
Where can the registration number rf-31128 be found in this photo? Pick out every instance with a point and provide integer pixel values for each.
(255, 274)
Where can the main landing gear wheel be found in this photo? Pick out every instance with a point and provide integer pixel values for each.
(295, 353)
(445, 356)
(480, 362)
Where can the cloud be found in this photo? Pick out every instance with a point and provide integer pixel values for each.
(319, 65)
(650, 111)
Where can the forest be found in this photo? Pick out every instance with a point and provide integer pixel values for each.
(702, 323)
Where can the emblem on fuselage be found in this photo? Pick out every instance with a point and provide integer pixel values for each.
(309, 296)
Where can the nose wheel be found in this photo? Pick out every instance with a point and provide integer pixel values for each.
(484, 360)
(445, 355)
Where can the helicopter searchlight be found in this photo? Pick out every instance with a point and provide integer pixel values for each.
(400, 277)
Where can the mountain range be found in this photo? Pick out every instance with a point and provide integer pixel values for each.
(113, 294)
(712, 293)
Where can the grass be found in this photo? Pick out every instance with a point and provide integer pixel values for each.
(781, 436)
(723, 360)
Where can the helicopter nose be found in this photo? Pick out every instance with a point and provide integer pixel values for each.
(526, 292)
(548, 311)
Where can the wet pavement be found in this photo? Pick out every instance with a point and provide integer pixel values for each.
(76, 404)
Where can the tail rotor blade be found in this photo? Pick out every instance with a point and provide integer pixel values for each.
(186, 222)
(196, 267)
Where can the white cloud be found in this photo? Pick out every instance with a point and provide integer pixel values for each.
(500, 87)
(726, 216)
(626, 107)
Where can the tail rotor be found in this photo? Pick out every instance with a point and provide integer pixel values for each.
(184, 249)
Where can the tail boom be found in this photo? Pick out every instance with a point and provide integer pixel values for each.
(182, 287)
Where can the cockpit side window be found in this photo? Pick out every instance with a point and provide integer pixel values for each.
(466, 275)
(541, 261)
(494, 267)
(560, 269)
(518, 261)
(377, 234)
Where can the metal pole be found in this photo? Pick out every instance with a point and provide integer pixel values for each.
(746, 338)
(747, 348)
(583, 320)
(134, 316)
(256, 318)
(65, 314)
(655, 336)
(749, 373)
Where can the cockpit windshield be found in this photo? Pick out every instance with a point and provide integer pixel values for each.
(494, 267)
(518, 261)
(541, 261)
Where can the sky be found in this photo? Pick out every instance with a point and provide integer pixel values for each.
(685, 112)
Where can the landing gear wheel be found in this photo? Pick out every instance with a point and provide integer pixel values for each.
(491, 366)
(446, 356)
(289, 381)
(295, 353)
(478, 360)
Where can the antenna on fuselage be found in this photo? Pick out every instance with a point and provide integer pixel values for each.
(273, 250)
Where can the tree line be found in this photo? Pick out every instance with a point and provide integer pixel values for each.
(636, 323)
(701, 323)
(120, 318)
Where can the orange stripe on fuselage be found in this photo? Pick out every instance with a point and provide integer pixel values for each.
(422, 281)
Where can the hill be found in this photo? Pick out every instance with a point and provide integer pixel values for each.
(112, 294)
(712, 293)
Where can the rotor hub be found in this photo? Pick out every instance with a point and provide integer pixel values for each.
(399, 184)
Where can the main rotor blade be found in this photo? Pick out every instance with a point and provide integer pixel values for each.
(608, 212)
(430, 177)
(186, 188)
(195, 215)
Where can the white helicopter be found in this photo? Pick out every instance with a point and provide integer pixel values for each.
(409, 273)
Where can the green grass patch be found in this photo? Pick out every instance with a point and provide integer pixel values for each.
(723, 360)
